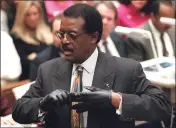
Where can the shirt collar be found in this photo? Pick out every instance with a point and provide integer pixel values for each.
(92, 60)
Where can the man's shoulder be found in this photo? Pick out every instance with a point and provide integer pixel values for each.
(114, 61)
(53, 62)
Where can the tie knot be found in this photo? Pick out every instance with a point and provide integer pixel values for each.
(79, 69)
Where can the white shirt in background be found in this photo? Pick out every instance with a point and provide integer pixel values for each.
(4, 26)
(110, 45)
(10, 61)
(158, 42)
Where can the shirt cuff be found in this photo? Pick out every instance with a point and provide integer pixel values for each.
(41, 116)
(119, 110)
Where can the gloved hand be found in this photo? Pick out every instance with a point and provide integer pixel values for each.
(55, 99)
(94, 99)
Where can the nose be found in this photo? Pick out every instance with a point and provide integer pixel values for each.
(65, 40)
(33, 17)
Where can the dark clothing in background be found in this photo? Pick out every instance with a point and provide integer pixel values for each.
(49, 53)
(24, 49)
(6, 109)
(119, 43)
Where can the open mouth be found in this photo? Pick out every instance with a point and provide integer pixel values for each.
(66, 50)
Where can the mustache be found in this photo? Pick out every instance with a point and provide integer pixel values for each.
(66, 48)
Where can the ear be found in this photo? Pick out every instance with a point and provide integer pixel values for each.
(94, 37)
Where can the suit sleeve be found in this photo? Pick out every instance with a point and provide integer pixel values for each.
(25, 110)
(147, 102)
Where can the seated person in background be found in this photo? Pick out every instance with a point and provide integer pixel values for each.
(111, 42)
(133, 13)
(163, 35)
(30, 33)
(89, 2)
(10, 60)
(54, 8)
(49, 53)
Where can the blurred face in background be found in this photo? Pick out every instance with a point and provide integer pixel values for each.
(164, 11)
(56, 27)
(89, 2)
(32, 17)
(108, 17)
(139, 4)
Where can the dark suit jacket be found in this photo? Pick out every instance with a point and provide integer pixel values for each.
(48, 54)
(119, 43)
(140, 100)
(139, 46)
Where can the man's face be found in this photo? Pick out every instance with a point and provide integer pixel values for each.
(78, 49)
(108, 18)
(55, 28)
(164, 11)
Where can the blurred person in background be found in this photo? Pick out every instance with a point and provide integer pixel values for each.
(54, 8)
(49, 53)
(111, 42)
(133, 13)
(89, 2)
(10, 60)
(163, 35)
(30, 33)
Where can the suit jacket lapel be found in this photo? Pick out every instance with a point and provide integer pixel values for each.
(62, 77)
(103, 77)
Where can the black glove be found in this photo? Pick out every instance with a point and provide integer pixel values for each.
(94, 99)
(54, 100)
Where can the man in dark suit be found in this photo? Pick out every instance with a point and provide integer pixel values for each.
(111, 42)
(49, 53)
(162, 35)
(113, 92)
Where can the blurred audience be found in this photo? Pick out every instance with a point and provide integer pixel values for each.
(30, 33)
(133, 13)
(89, 2)
(54, 8)
(51, 52)
(10, 60)
(111, 42)
(163, 35)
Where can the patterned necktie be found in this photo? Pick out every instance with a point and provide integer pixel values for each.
(77, 119)
(165, 53)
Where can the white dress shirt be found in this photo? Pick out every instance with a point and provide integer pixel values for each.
(158, 42)
(10, 61)
(87, 77)
(111, 47)
(4, 26)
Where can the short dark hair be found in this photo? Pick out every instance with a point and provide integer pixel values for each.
(92, 18)
(109, 5)
(57, 17)
(147, 9)
(156, 6)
